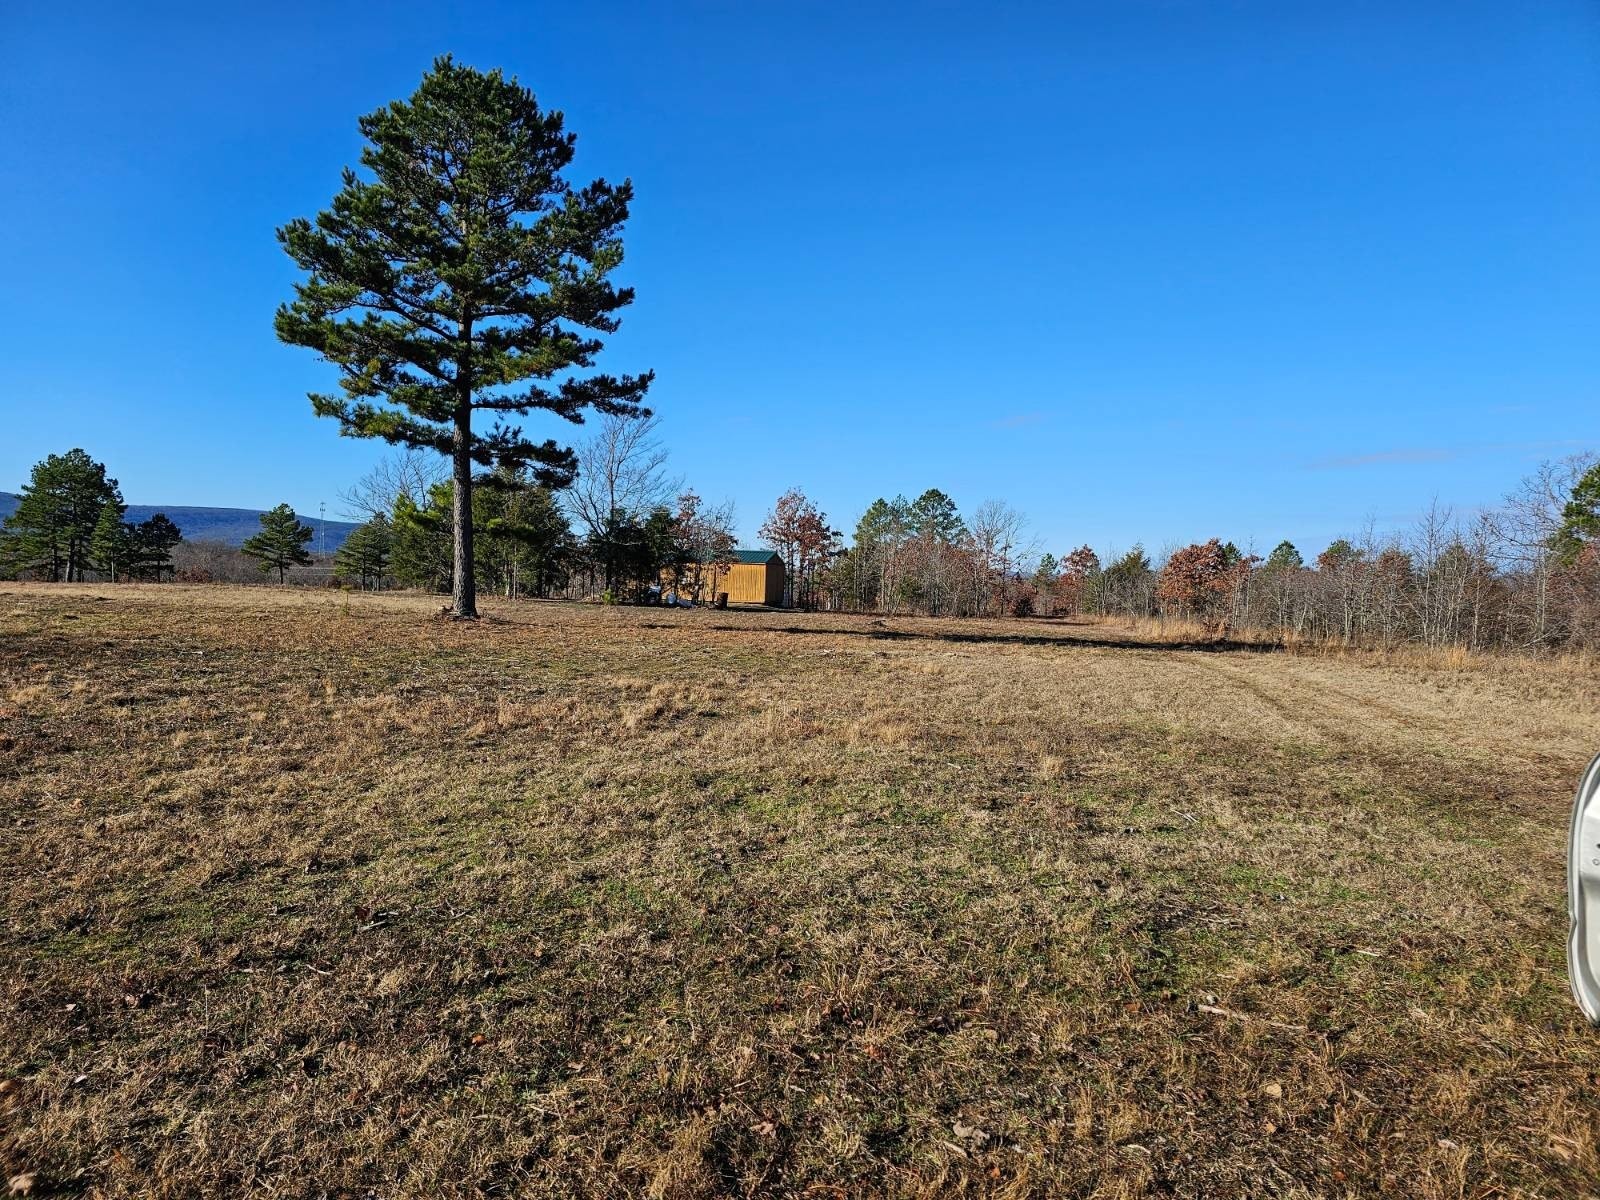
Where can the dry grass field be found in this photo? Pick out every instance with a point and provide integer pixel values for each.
(322, 895)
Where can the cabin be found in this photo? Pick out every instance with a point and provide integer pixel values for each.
(750, 577)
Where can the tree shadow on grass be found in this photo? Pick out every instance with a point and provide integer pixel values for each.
(1208, 646)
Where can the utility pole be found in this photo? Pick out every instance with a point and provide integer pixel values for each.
(322, 521)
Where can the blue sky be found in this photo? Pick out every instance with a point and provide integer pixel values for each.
(1147, 271)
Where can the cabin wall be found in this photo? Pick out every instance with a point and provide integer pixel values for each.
(745, 583)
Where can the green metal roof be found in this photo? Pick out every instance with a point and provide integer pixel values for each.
(756, 557)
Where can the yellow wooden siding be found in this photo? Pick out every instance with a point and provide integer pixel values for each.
(753, 583)
(745, 583)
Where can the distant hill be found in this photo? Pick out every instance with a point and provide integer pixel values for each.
(231, 525)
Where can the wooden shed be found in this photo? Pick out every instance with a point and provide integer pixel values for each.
(753, 577)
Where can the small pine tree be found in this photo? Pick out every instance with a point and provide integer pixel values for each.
(421, 555)
(1128, 585)
(110, 545)
(151, 544)
(281, 543)
(933, 515)
(1284, 557)
(525, 537)
(1580, 519)
(1043, 585)
(364, 557)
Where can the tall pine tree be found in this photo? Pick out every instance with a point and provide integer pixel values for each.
(466, 275)
(281, 544)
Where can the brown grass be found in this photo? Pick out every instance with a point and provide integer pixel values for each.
(317, 895)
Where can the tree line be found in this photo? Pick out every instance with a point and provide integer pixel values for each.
(70, 521)
(70, 525)
(1524, 575)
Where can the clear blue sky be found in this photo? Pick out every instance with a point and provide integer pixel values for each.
(1145, 270)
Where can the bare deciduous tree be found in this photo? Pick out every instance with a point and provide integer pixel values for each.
(1522, 531)
(621, 469)
(408, 472)
(995, 542)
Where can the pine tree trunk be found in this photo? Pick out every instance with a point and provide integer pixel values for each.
(464, 586)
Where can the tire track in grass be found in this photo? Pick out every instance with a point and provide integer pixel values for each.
(1465, 776)
(1557, 747)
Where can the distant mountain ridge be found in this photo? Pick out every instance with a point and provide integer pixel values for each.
(230, 525)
